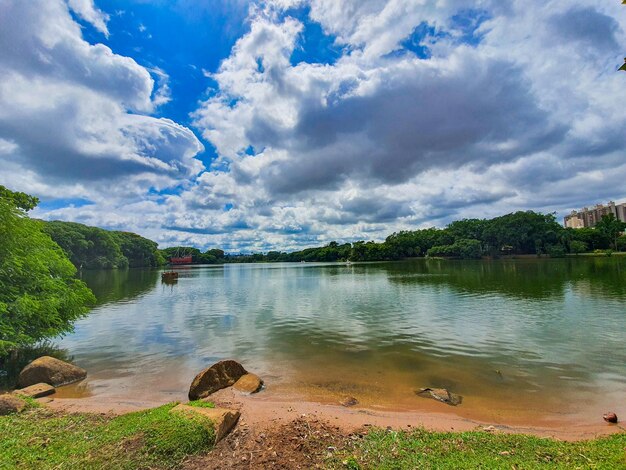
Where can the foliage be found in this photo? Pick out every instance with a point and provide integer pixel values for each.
(139, 251)
(576, 246)
(594, 239)
(147, 439)
(96, 248)
(383, 449)
(39, 295)
(611, 228)
(621, 243)
(23, 201)
(462, 248)
(555, 251)
(213, 256)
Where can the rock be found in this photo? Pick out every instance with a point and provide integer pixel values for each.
(36, 391)
(10, 404)
(220, 375)
(610, 417)
(440, 394)
(249, 383)
(222, 420)
(349, 401)
(49, 370)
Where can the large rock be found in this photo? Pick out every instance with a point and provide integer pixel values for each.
(440, 394)
(220, 375)
(249, 383)
(36, 391)
(49, 370)
(10, 404)
(221, 420)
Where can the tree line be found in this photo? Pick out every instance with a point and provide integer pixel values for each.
(518, 233)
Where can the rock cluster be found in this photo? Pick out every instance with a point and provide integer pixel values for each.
(222, 375)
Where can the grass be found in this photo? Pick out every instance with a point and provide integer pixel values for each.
(43, 439)
(201, 404)
(382, 449)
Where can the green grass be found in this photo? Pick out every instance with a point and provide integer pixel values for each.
(201, 404)
(382, 449)
(42, 439)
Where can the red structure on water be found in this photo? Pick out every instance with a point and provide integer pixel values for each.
(182, 260)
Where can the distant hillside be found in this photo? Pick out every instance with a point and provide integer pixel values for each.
(96, 248)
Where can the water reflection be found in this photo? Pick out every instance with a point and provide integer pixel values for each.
(509, 335)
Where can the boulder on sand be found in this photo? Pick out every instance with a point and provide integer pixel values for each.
(10, 404)
(440, 394)
(249, 383)
(36, 391)
(220, 375)
(221, 420)
(51, 371)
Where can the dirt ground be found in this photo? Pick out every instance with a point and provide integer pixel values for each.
(306, 442)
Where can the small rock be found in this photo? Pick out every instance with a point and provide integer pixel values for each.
(222, 419)
(10, 404)
(610, 417)
(36, 391)
(490, 429)
(349, 401)
(249, 383)
(440, 394)
(50, 370)
(220, 375)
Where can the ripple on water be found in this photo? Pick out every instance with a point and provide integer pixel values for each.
(499, 332)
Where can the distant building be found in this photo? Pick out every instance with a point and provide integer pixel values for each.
(589, 217)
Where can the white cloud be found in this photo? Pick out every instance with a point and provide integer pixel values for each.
(74, 113)
(88, 12)
(520, 113)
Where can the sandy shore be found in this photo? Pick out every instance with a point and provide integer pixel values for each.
(262, 411)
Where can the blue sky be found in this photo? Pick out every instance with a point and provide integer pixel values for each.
(279, 124)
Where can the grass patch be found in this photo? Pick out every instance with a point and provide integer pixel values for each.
(382, 449)
(201, 404)
(43, 439)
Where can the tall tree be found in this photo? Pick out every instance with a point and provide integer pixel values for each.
(611, 228)
(39, 295)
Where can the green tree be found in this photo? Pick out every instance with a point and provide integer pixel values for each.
(39, 295)
(610, 227)
(22, 201)
(576, 246)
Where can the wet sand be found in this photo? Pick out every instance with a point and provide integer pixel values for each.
(268, 409)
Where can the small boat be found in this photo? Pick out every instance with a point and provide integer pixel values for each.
(169, 276)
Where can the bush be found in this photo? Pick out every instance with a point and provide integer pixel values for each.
(555, 251)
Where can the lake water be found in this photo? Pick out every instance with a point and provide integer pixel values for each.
(523, 341)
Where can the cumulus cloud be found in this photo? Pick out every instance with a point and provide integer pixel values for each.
(75, 113)
(88, 12)
(426, 112)
(384, 136)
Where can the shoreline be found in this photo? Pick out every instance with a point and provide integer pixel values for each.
(261, 412)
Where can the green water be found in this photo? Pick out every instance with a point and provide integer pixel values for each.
(521, 340)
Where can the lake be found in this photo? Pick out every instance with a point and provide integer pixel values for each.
(534, 341)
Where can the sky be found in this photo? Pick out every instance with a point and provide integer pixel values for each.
(283, 124)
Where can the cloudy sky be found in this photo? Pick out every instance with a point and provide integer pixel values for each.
(252, 125)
